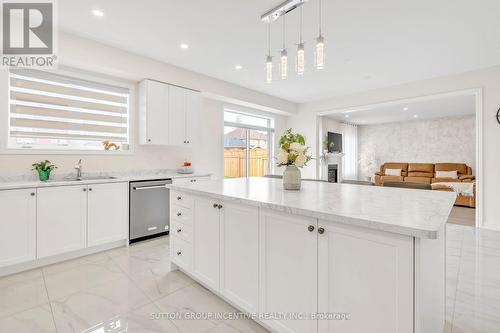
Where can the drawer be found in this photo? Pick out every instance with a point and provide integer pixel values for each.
(182, 231)
(181, 199)
(181, 253)
(181, 214)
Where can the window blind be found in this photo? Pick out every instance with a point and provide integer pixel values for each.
(50, 109)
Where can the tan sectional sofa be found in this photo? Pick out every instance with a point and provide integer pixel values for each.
(426, 173)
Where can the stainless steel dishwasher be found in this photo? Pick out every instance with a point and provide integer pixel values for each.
(149, 209)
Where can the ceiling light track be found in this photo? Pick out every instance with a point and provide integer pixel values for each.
(281, 9)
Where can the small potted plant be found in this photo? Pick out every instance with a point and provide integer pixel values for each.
(44, 169)
(293, 154)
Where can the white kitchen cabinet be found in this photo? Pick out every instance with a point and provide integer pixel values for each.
(383, 302)
(17, 226)
(288, 270)
(184, 108)
(206, 241)
(107, 213)
(239, 248)
(154, 112)
(61, 219)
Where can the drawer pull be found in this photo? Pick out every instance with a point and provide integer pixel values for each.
(310, 228)
(32, 194)
(179, 230)
(216, 205)
(321, 231)
(179, 214)
(179, 198)
(179, 253)
(219, 206)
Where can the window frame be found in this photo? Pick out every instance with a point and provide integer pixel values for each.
(77, 74)
(270, 132)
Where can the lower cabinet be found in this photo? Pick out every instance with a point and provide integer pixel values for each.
(61, 219)
(107, 213)
(206, 242)
(289, 270)
(366, 277)
(239, 260)
(17, 226)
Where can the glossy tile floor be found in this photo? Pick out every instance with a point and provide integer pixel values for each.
(127, 290)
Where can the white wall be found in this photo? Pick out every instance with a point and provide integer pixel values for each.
(89, 56)
(488, 79)
(451, 139)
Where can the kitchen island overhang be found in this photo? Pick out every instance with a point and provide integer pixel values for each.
(349, 242)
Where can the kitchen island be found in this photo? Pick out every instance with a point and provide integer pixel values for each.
(328, 258)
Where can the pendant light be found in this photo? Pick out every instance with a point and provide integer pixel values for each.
(320, 45)
(300, 61)
(284, 57)
(269, 59)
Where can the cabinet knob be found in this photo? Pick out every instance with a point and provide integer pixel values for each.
(219, 206)
(310, 228)
(187, 141)
(149, 140)
(179, 198)
(179, 230)
(321, 231)
(90, 189)
(179, 253)
(84, 190)
(32, 194)
(216, 205)
(179, 214)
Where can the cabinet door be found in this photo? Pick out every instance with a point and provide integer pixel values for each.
(193, 109)
(288, 270)
(107, 213)
(369, 276)
(17, 226)
(206, 243)
(177, 116)
(61, 219)
(157, 111)
(239, 262)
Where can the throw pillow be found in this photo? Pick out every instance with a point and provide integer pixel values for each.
(393, 172)
(447, 174)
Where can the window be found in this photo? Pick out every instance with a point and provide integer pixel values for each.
(49, 111)
(248, 142)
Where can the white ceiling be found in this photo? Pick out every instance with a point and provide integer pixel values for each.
(427, 109)
(370, 44)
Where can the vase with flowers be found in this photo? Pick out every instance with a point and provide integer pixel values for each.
(44, 168)
(294, 155)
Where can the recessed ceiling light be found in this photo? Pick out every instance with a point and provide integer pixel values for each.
(405, 109)
(415, 116)
(238, 67)
(98, 13)
(347, 116)
(184, 46)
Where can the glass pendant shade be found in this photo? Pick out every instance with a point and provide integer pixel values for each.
(284, 64)
(300, 61)
(320, 53)
(269, 69)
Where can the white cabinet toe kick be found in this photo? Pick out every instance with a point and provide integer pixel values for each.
(296, 273)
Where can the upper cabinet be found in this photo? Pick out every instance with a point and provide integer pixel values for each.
(168, 114)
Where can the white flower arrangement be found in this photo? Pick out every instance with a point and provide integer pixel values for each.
(293, 150)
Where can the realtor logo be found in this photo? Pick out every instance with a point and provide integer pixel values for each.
(28, 34)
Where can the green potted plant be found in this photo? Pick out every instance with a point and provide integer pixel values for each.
(44, 169)
(294, 155)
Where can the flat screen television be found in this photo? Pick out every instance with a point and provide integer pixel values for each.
(334, 142)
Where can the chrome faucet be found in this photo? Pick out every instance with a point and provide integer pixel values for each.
(78, 169)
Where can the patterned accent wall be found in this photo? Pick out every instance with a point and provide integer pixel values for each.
(426, 141)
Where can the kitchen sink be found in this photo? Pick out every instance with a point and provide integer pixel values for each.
(89, 178)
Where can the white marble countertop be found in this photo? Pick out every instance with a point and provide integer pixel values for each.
(417, 213)
(9, 183)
